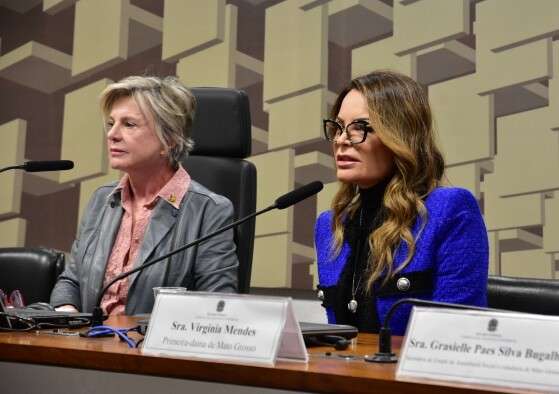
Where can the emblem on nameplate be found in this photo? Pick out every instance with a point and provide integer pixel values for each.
(220, 306)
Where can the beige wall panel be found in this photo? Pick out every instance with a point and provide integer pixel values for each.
(494, 253)
(189, 26)
(527, 209)
(296, 49)
(54, 6)
(528, 264)
(275, 178)
(215, 65)
(314, 166)
(37, 66)
(380, 55)
(466, 176)
(514, 66)
(100, 34)
(297, 119)
(528, 153)
(12, 151)
(554, 88)
(446, 20)
(464, 135)
(325, 197)
(88, 187)
(83, 137)
(12, 232)
(551, 225)
(515, 21)
(271, 262)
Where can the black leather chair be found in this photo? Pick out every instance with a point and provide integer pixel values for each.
(539, 296)
(222, 139)
(33, 271)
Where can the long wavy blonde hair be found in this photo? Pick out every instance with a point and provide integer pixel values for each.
(401, 117)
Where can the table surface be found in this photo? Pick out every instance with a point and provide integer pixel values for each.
(327, 371)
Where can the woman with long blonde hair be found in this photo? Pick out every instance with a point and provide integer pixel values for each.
(394, 231)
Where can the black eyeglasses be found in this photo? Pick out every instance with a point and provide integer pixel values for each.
(356, 131)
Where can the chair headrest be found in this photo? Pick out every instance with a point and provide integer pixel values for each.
(222, 125)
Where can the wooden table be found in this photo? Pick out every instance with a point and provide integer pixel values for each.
(328, 371)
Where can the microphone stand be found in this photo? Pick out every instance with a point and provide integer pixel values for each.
(97, 316)
(281, 202)
(385, 354)
(11, 168)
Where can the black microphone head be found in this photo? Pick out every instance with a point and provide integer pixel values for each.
(293, 197)
(50, 165)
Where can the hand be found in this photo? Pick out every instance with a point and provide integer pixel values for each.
(66, 308)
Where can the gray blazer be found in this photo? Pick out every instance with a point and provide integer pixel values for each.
(210, 266)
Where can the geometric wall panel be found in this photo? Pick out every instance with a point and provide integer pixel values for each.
(54, 6)
(381, 55)
(88, 187)
(83, 135)
(522, 135)
(420, 24)
(12, 151)
(519, 65)
(37, 66)
(296, 120)
(528, 209)
(272, 261)
(465, 136)
(528, 263)
(314, 166)
(214, 65)
(294, 57)
(551, 225)
(554, 88)
(100, 34)
(12, 232)
(353, 22)
(191, 26)
(324, 198)
(21, 6)
(275, 177)
(517, 21)
(466, 176)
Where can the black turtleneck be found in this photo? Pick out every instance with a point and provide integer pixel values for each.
(353, 279)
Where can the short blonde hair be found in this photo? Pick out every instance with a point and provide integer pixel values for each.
(170, 103)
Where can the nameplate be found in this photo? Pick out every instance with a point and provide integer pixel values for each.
(514, 350)
(230, 327)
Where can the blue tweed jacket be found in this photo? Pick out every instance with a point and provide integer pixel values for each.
(451, 252)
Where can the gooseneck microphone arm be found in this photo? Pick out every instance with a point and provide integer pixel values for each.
(282, 202)
(97, 318)
(385, 354)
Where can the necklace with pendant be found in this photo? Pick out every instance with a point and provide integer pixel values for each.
(353, 304)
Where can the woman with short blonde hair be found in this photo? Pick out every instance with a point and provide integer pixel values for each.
(155, 208)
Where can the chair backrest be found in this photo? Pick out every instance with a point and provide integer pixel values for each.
(222, 139)
(539, 296)
(33, 271)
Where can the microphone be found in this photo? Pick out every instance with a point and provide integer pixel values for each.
(42, 166)
(385, 354)
(281, 202)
